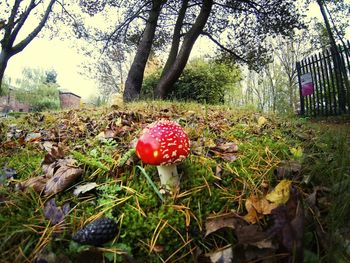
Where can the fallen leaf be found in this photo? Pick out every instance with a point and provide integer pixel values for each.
(54, 213)
(230, 220)
(252, 216)
(288, 226)
(262, 120)
(33, 137)
(280, 194)
(6, 174)
(254, 235)
(48, 145)
(50, 165)
(257, 208)
(288, 170)
(38, 183)
(62, 179)
(219, 256)
(261, 205)
(230, 157)
(218, 172)
(82, 189)
(106, 134)
(297, 152)
(228, 147)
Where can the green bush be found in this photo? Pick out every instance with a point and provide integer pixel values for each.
(41, 97)
(149, 84)
(201, 81)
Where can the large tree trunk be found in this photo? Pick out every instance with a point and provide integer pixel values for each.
(135, 76)
(166, 82)
(4, 58)
(175, 43)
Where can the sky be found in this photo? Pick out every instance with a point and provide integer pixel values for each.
(66, 61)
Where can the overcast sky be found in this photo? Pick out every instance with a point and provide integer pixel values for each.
(60, 56)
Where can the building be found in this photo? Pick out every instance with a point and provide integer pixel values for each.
(69, 100)
(9, 103)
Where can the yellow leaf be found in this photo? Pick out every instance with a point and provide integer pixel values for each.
(297, 152)
(280, 194)
(262, 120)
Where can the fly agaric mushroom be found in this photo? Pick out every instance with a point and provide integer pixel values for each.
(164, 143)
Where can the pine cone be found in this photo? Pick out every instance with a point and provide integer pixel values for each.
(96, 233)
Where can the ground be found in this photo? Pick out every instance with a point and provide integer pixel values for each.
(255, 188)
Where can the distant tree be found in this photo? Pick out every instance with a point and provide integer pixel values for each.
(51, 76)
(97, 100)
(288, 51)
(18, 14)
(34, 89)
(275, 87)
(109, 70)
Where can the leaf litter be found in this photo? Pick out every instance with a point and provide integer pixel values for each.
(265, 224)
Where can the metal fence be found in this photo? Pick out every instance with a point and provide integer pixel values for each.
(324, 82)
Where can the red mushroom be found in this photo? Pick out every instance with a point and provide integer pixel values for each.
(165, 144)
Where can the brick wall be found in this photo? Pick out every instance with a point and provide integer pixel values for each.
(69, 100)
(9, 103)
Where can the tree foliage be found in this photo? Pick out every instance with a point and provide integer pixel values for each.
(236, 27)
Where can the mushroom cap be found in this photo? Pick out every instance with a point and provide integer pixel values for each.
(163, 142)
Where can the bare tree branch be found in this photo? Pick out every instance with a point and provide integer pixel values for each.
(216, 42)
(21, 45)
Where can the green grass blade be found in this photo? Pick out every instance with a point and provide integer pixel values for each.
(149, 180)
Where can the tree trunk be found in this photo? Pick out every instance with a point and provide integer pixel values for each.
(167, 82)
(175, 44)
(135, 75)
(4, 58)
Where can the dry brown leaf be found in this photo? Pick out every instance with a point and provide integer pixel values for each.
(257, 208)
(48, 145)
(252, 216)
(227, 147)
(38, 183)
(253, 235)
(261, 205)
(63, 178)
(288, 226)
(288, 170)
(215, 223)
(229, 157)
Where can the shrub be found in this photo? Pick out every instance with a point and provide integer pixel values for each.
(201, 81)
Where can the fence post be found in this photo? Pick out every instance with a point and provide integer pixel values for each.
(302, 104)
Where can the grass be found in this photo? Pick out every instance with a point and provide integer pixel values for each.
(172, 231)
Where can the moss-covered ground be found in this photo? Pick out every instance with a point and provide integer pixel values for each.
(235, 154)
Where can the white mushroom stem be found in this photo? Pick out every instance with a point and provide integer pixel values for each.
(169, 177)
